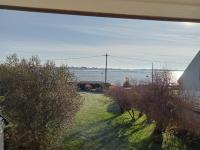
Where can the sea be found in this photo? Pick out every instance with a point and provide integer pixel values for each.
(117, 76)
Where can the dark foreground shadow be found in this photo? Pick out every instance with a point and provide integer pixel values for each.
(114, 109)
(190, 142)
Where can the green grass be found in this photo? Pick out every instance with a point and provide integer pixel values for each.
(1, 98)
(99, 126)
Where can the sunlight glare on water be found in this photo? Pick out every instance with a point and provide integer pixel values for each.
(176, 75)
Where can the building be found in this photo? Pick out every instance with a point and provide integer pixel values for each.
(190, 79)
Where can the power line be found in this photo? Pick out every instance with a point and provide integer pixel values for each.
(146, 60)
(130, 58)
(80, 57)
(117, 59)
(124, 61)
(165, 55)
(152, 75)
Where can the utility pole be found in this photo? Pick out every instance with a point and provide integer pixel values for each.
(152, 75)
(106, 68)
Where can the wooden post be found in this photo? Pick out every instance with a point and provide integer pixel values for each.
(106, 68)
(1, 133)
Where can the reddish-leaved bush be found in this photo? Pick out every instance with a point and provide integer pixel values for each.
(158, 100)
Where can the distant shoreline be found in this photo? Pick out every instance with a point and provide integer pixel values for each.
(94, 68)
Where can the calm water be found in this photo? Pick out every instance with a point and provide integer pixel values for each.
(117, 76)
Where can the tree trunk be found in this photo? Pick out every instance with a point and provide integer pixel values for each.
(131, 113)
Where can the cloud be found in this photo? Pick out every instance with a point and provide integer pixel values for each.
(134, 32)
(63, 36)
(140, 56)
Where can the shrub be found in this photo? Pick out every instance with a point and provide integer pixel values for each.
(187, 117)
(153, 99)
(162, 103)
(158, 98)
(40, 102)
(118, 95)
(124, 97)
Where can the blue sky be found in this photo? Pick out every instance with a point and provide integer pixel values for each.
(130, 43)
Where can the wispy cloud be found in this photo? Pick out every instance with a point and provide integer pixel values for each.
(64, 36)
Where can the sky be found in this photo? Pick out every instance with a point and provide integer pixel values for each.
(83, 41)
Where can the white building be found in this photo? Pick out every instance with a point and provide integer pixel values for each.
(190, 80)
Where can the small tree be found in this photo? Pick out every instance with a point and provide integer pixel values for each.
(158, 98)
(125, 98)
(162, 103)
(40, 102)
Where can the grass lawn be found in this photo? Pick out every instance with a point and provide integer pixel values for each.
(99, 126)
(1, 98)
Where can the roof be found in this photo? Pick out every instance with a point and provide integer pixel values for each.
(174, 10)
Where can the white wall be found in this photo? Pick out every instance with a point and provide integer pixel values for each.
(190, 80)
